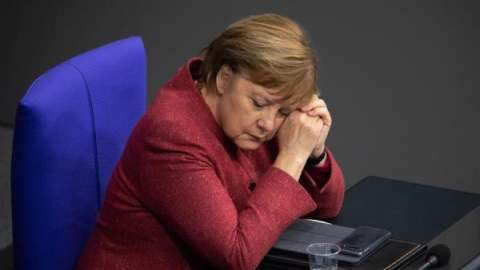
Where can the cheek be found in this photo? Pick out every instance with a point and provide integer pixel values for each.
(234, 119)
(243, 116)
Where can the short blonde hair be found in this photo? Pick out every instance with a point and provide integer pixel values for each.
(270, 50)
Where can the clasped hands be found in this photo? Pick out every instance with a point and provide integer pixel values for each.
(305, 130)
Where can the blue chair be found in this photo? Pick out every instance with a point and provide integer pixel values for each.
(70, 130)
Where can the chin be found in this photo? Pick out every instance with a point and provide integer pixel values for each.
(248, 145)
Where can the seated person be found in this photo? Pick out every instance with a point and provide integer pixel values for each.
(230, 152)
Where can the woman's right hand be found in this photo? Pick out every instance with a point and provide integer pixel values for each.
(297, 137)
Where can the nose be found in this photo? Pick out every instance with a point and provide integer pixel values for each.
(267, 120)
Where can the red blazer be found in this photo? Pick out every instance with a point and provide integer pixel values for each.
(184, 197)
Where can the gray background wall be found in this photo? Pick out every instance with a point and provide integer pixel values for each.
(401, 78)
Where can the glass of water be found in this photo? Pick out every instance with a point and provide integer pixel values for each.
(323, 256)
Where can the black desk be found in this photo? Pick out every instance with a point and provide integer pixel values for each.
(417, 213)
(463, 239)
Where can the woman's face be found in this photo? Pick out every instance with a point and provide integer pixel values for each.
(246, 112)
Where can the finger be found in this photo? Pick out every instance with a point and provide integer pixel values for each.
(322, 113)
(308, 106)
(317, 103)
(318, 111)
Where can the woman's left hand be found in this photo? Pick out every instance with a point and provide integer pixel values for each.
(318, 108)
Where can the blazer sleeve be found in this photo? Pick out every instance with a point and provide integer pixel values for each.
(180, 185)
(327, 188)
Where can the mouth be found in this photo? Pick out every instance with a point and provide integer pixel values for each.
(258, 138)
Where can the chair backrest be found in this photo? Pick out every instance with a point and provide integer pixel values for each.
(70, 130)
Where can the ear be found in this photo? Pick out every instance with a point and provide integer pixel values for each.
(224, 78)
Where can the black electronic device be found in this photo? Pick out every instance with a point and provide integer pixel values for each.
(362, 240)
(289, 251)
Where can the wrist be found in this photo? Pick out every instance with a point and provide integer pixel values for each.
(319, 160)
(291, 163)
(316, 153)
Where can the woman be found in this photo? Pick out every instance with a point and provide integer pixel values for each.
(230, 152)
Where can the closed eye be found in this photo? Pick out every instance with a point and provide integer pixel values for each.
(284, 113)
(258, 104)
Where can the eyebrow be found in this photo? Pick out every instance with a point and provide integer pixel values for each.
(257, 95)
(289, 108)
(268, 101)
